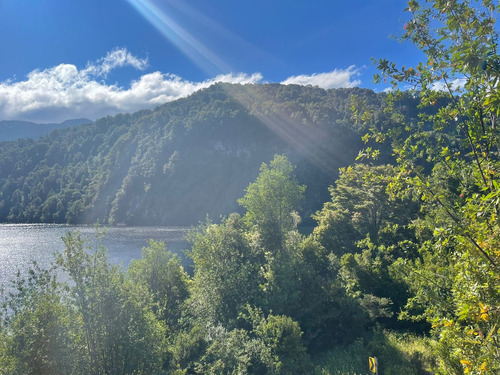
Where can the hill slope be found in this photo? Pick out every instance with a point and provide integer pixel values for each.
(183, 160)
(12, 130)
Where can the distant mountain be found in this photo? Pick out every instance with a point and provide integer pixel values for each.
(184, 160)
(13, 130)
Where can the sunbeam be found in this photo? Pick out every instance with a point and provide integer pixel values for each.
(193, 48)
(223, 34)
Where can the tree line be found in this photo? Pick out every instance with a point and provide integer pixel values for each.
(117, 169)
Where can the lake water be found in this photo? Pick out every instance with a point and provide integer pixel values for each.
(21, 244)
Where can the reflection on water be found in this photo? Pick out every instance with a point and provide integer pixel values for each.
(21, 244)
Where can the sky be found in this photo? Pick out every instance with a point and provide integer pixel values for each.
(62, 59)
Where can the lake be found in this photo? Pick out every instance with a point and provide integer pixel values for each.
(21, 244)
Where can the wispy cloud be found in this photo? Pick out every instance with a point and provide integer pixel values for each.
(65, 91)
(334, 79)
(117, 58)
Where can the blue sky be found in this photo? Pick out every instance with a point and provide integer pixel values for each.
(64, 59)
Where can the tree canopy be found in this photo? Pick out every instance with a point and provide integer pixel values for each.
(449, 159)
(272, 200)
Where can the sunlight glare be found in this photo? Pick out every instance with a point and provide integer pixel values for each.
(193, 48)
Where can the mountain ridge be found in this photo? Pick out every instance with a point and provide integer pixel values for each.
(11, 130)
(184, 160)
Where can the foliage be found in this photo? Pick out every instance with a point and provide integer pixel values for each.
(226, 271)
(101, 323)
(360, 208)
(272, 346)
(271, 200)
(121, 333)
(165, 280)
(187, 348)
(303, 281)
(396, 354)
(228, 352)
(40, 331)
(369, 230)
(296, 277)
(449, 159)
(282, 336)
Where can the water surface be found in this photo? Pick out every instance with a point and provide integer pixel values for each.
(21, 244)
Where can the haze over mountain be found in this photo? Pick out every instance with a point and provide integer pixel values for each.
(12, 130)
(183, 160)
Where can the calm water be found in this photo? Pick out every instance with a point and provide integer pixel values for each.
(21, 244)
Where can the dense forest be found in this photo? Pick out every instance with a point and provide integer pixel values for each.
(183, 160)
(402, 262)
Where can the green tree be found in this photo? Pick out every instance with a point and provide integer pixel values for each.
(362, 208)
(369, 229)
(120, 331)
(228, 352)
(162, 274)
(40, 332)
(326, 312)
(302, 281)
(272, 345)
(281, 336)
(271, 200)
(226, 271)
(449, 159)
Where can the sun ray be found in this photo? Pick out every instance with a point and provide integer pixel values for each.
(294, 133)
(192, 47)
(224, 34)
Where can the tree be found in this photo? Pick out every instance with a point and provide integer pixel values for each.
(226, 271)
(163, 276)
(119, 330)
(39, 330)
(328, 315)
(450, 160)
(362, 208)
(272, 345)
(369, 229)
(281, 336)
(271, 200)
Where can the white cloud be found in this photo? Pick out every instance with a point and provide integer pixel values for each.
(117, 58)
(64, 91)
(455, 84)
(334, 79)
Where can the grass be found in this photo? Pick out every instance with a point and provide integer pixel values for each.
(397, 354)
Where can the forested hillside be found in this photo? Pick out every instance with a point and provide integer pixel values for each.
(185, 159)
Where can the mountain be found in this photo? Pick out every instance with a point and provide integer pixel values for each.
(12, 130)
(184, 160)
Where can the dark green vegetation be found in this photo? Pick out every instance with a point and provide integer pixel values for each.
(262, 298)
(182, 161)
(402, 264)
(450, 161)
